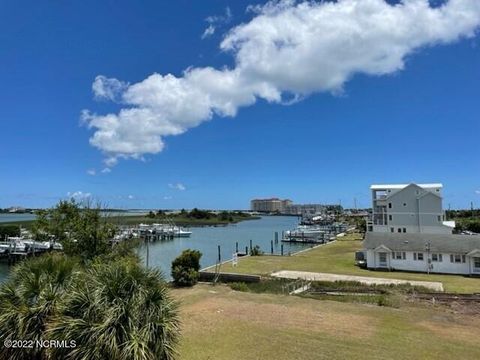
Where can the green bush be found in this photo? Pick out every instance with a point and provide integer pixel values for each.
(256, 251)
(239, 286)
(185, 268)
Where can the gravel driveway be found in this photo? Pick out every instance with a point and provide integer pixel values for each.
(312, 276)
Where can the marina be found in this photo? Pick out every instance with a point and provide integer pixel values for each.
(207, 240)
(15, 248)
(163, 242)
(164, 248)
(314, 234)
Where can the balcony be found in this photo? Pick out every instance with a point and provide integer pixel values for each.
(377, 219)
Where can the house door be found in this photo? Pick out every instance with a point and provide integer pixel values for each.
(383, 259)
(476, 265)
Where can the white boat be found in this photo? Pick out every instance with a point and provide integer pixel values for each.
(4, 248)
(168, 229)
(183, 233)
(37, 245)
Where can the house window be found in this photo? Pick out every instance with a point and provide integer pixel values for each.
(389, 205)
(404, 204)
(437, 257)
(392, 229)
(455, 258)
(390, 217)
(418, 256)
(404, 230)
(399, 255)
(476, 262)
(439, 218)
(399, 230)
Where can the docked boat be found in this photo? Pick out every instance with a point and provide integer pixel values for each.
(171, 229)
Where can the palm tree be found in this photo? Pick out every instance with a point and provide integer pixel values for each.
(117, 310)
(29, 299)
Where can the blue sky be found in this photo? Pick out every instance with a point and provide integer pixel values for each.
(419, 123)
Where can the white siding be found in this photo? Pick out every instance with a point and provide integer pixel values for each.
(409, 264)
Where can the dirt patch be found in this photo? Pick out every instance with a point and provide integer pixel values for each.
(304, 315)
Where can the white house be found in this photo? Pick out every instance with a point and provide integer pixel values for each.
(436, 253)
(408, 208)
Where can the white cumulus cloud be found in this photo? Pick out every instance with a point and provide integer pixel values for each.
(91, 172)
(287, 51)
(177, 186)
(108, 89)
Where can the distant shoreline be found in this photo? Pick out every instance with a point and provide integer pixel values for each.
(143, 219)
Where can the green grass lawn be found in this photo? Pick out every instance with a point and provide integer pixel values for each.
(219, 323)
(338, 258)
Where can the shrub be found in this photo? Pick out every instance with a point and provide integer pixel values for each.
(239, 286)
(185, 268)
(255, 251)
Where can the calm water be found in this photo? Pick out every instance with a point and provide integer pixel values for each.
(16, 217)
(206, 239)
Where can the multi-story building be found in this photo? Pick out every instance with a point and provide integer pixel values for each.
(305, 209)
(270, 205)
(408, 208)
(408, 231)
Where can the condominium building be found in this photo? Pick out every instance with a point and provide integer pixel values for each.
(305, 209)
(408, 208)
(270, 205)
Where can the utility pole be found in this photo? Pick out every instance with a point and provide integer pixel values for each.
(429, 262)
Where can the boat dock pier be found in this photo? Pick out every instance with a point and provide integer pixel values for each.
(314, 234)
(14, 249)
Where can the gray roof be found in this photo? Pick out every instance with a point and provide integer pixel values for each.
(442, 243)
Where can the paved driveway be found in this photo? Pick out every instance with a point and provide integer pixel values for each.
(312, 276)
